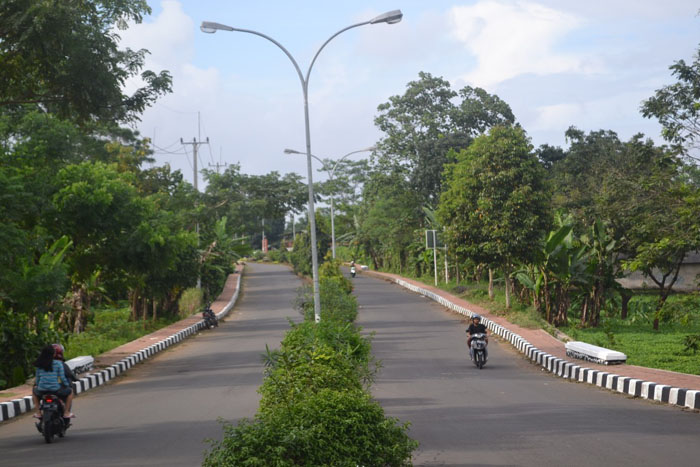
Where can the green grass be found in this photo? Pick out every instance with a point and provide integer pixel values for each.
(110, 328)
(663, 349)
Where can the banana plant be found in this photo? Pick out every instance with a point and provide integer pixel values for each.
(561, 266)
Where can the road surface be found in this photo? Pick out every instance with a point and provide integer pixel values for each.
(162, 410)
(511, 412)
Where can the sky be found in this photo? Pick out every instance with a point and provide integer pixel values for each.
(557, 63)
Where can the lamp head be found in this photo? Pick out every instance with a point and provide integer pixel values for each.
(292, 151)
(390, 17)
(210, 27)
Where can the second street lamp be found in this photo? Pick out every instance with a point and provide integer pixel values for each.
(331, 174)
(390, 17)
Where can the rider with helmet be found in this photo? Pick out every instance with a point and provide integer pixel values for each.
(51, 378)
(58, 355)
(475, 328)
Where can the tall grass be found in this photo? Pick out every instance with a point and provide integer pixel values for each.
(109, 328)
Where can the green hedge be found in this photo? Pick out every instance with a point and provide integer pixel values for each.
(316, 408)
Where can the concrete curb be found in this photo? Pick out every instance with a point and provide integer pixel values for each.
(19, 406)
(563, 368)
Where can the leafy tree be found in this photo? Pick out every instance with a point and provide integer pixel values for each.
(677, 107)
(496, 205)
(248, 199)
(423, 124)
(577, 177)
(64, 56)
(389, 215)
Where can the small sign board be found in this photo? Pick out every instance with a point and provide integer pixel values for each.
(433, 240)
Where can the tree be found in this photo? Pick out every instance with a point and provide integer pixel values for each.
(389, 215)
(248, 199)
(677, 107)
(496, 204)
(423, 124)
(64, 57)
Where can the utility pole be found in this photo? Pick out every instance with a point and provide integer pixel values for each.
(195, 150)
(195, 147)
(219, 164)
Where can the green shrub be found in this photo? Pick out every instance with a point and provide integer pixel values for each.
(110, 328)
(691, 343)
(339, 428)
(330, 269)
(190, 302)
(277, 256)
(315, 407)
(336, 305)
(19, 346)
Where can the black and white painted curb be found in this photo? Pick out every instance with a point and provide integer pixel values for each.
(568, 370)
(19, 406)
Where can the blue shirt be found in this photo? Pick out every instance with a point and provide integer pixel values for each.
(51, 380)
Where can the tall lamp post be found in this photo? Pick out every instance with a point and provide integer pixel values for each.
(331, 174)
(390, 17)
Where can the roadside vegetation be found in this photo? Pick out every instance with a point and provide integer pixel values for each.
(86, 222)
(109, 328)
(316, 408)
(540, 235)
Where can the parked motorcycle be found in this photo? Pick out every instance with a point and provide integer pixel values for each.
(52, 423)
(478, 350)
(353, 271)
(210, 320)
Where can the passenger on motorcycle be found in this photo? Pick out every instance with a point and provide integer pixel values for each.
(58, 355)
(475, 328)
(51, 379)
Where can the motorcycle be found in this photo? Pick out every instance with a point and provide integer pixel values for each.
(52, 422)
(353, 271)
(478, 350)
(210, 320)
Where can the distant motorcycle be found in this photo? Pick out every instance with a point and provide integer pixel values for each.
(478, 350)
(210, 320)
(52, 423)
(353, 271)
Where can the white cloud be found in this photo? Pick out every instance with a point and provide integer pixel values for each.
(554, 116)
(169, 37)
(511, 39)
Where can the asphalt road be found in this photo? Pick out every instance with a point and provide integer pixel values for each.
(163, 409)
(510, 412)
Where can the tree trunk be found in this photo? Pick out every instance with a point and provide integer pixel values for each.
(626, 296)
(77, 304)
(562, 306)
(155, 309)
(491, 294)
(506, 281)
(547, 299)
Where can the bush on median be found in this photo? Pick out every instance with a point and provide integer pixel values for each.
(316, 408)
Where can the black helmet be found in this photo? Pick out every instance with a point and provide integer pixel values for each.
(475, 316)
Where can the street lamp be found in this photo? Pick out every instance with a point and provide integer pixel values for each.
(390, 17)
(331, 173)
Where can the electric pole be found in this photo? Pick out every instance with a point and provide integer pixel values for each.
(195, 150)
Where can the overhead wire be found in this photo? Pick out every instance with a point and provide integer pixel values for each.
(211, 156)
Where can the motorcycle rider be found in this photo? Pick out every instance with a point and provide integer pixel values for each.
(51, 379)
(209, 315)
(70, 376)
(475, 328)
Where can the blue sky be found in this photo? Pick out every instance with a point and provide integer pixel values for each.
(556, 63)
